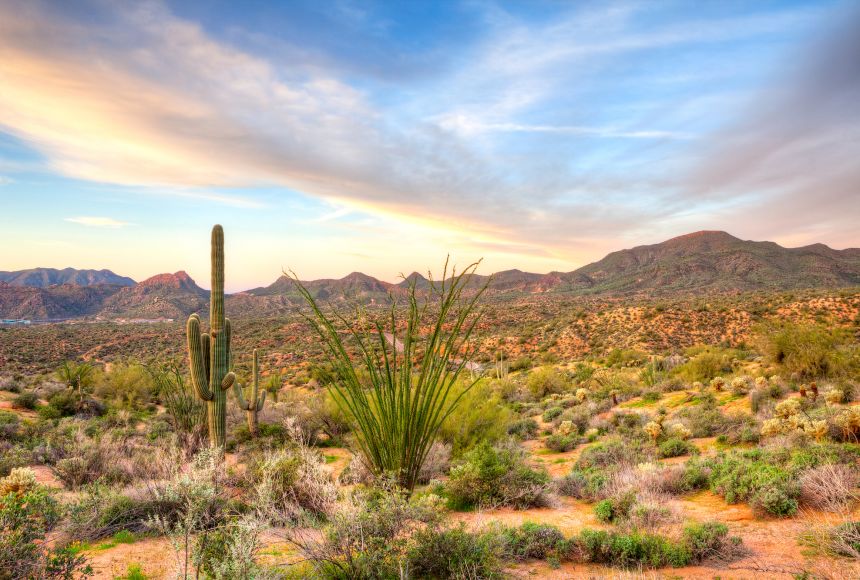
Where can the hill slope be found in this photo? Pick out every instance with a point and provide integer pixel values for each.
(701, 262)
(44, 277)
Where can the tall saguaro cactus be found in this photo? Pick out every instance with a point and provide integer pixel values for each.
(209, 354)
(254, 404)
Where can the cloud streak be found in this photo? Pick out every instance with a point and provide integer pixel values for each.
(98, 222)
(147, 99)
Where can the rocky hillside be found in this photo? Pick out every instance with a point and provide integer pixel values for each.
(696, 263)
(44, 277)
(718, 261)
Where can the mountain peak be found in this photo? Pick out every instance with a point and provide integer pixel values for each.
(179, 280)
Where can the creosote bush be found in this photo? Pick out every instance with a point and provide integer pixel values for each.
(497, 476)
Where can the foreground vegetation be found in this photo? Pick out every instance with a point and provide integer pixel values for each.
(396, 458)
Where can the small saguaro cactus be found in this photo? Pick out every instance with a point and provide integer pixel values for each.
(254, 404)
(209, 354)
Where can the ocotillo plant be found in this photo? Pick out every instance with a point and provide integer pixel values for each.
(396, 412)
(209, 354)
(254, 404)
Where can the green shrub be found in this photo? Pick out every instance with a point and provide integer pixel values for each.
(496, 476)
(481, 415)
(128, 385)
(524, 428)
(630, 550)
(561, 443)
(552, 413)
(704, 366)
(26, 400)
(584, 484)
(810, 350)
(603, 511)
(532, 541)
(613, 452)
(675, 447)
(546, 381)
(25, 519)
(454, 553)
(709, 539)
(746, 477)
(10, 426)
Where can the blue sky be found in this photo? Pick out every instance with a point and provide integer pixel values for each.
(329, 137)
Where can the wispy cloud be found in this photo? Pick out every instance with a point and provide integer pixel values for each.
(500, 147)
(98, 222)
(5, 180)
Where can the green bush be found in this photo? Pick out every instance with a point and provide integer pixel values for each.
(708, 539)
(675, 447)
(524, 428)
(25, 519)
(561, 443)
(630, 550)
(613, 452)
(480, 416)
(496, 476)
(531, 540)
(747, 477)
(704, 366)
(810, 350)
(584, 484)
(454, 553)
(26, 400)
(546, 381)
(552, 413)
(603, 511)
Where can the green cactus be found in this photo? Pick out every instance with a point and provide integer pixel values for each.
(209, 354)
(254, 404)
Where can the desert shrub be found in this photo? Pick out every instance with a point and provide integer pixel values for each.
(377, 533)
(546, 381)
(612, 452)
(561, 443)
(675, 447)
(26, 400)
(552, 413)
(706, 365)
(10, 426)
(522, 363)
(844, 540)
(100, 511)
(629, 550)
(829, 487)
(293, 482)
(604, 510)
(810, 350)
(585, 484)
(12, 456)
(454, 553)
(93, 461)
(497, 476)
(524, 428)
(710, 540)
(480, 416)
(532, 541)
(746, 477)
(128, 385)
(26, 516)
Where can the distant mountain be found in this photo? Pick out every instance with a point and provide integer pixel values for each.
(44, 277)
(165, 295)
(705, 261)
(711, 260)
(55, 302)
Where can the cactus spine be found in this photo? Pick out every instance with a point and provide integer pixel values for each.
(209, 354)
(254, 404)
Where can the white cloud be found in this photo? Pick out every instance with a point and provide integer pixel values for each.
(97, 222)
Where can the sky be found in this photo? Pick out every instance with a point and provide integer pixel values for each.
(339, 136)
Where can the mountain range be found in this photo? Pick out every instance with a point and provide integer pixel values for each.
(707, 261)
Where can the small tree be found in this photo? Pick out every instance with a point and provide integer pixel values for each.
(409, 366)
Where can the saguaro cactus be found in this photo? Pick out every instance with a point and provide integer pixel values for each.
(254, 404)
(209, 354)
